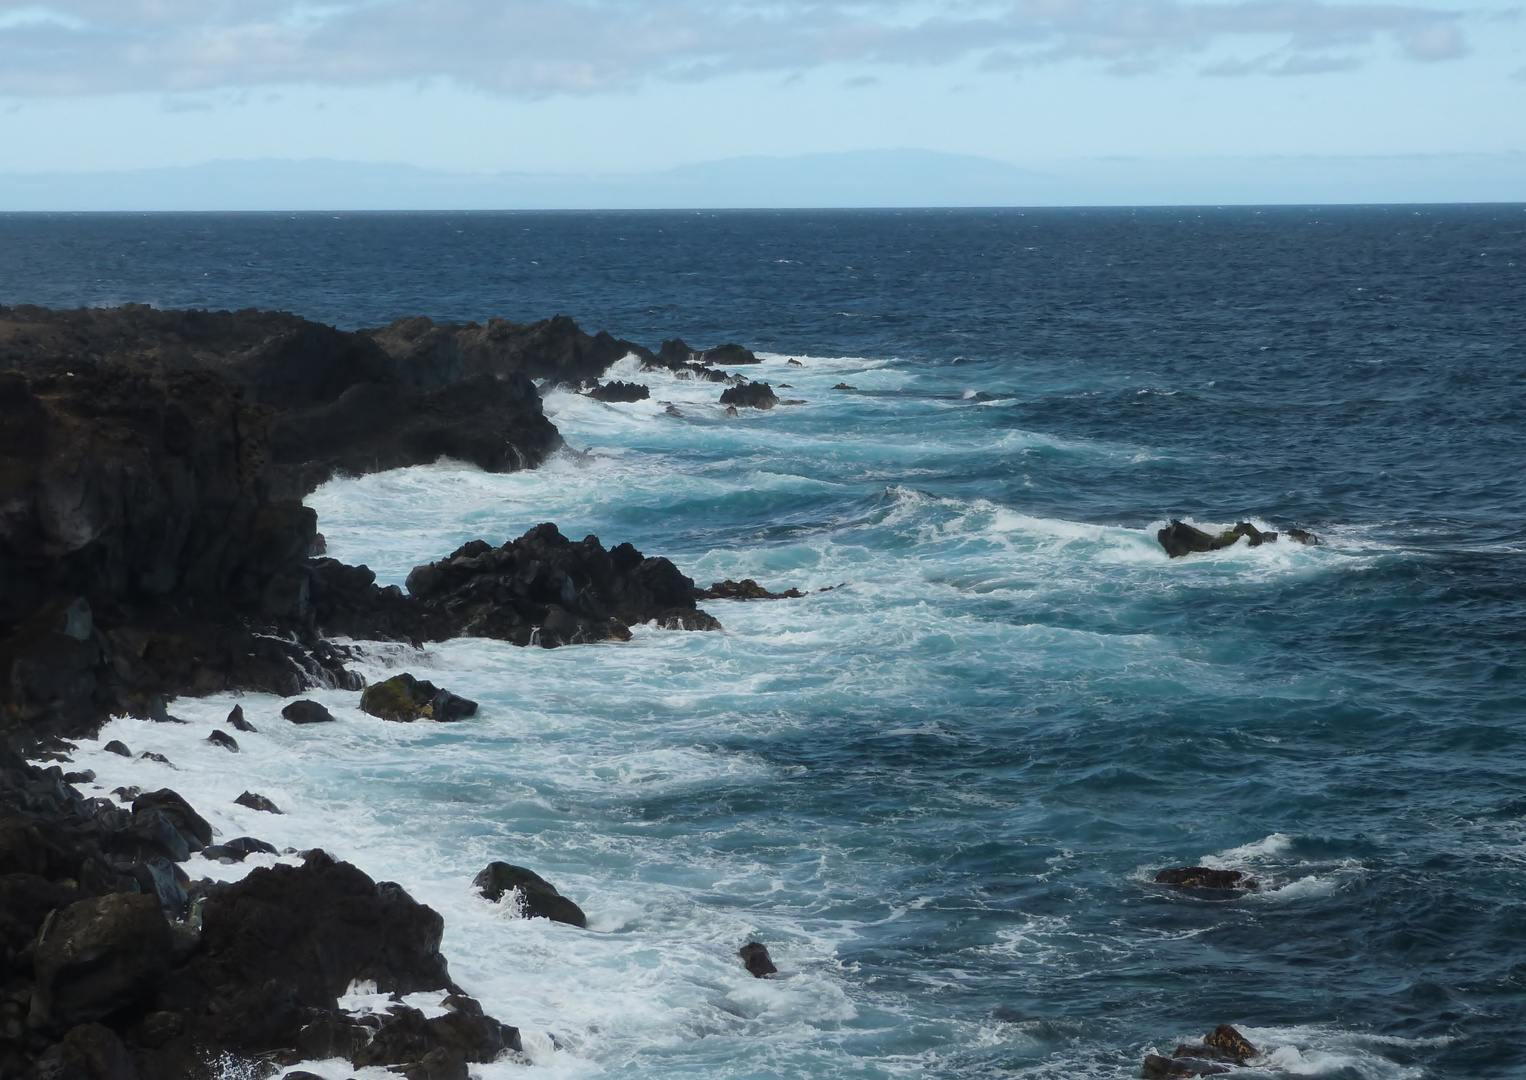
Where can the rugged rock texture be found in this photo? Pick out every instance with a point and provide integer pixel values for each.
(750, 396)
(115, 965)
(757, 961)
(406, 699)
(1180, 539)
(1203, 877)
(615, 391)
(746, 589)
(539, 589)
(537, 896)
(1220, 1048)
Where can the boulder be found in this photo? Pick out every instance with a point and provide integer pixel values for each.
(223, 739)
(257, 802)
(538, 896)
(86, 1052)
(750, 396)
(406, 699)
(237, 722)
(756, 959)
(1179, 538)
(116, 746)
(405, 1037)
(1203, 877)
(315, 929)
(98, 956)
(1157, 1067)
(307, 712)
(844, 386)
(729, 354)
(190, 824)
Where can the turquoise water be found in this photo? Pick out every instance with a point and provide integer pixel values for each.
(939, 793)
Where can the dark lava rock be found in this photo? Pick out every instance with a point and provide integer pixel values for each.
(619, 391)
(1226, 1039)
(750, 396)
(442, 1045)
(729, 354)
(257, 802)
(98, 956)
(755, 956)
(541, 588)
(237, 722)
(746, 589)
(182, 816)
(116, 746)
(1203, 877)
(239, 849)
(86, 776)
(307, 712)
(223, 739)
(1162, 1068)
(792, 362)
(539, 896)
(86, 1052)
(149, 755)
(844, 386)
(406, 699)
(1180, 539)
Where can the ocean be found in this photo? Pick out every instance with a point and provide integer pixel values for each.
(939, 792)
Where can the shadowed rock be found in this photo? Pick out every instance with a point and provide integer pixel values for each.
(257, 802)
(756, 959)
(307, 712)
(616, 391)
(406, 699)
(1203, 877)
(537, 895)
(746, 589)
(750, 396)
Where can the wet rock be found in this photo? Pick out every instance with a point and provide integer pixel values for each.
(157, 877)
(1203, 877)
(186, 820)
(729, 354)
(86, 1052)
(307, 712)
(257, 802)
(405, 699)
(446, 1042)
(615, 391)
(316, 928)
(1302, 537)
(792, 362)
(1228, 1040)
(86, 776)
(239, 849)
(116, 746)
(731, 411)
(756, 959)
(537, 895)
(746, 589)
(149, 755)
(156, 1029)
(98, 956)
(750, 396)
(1179, 538)
(844, 386)
(223, 739)
(237, 722)
(1157, 1067)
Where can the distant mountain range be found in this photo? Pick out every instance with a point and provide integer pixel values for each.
(861, 178)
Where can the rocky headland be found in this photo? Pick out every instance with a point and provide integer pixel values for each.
(153, 543)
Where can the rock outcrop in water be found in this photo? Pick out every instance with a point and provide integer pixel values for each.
(1203, 877)
(405, 699)
(1220, 1050)
(1179, 538)
(750, 396)
(537, 897)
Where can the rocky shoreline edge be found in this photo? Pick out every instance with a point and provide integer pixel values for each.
(153, 544)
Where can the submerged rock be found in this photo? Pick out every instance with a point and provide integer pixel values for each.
(746, 589)
(538, 896)
(1179, 538)
(1204, 877)
(1157, 1067)
(756, 959)
(406, 699)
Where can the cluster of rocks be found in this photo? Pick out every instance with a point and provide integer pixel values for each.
(1221, 1050)
(116, 965)
(541, 588)
(746, 589)
(1204, 878)
(1179, 538)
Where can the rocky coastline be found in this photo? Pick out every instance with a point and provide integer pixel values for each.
(153, 544)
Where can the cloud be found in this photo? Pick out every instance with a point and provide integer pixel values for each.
(537, 47)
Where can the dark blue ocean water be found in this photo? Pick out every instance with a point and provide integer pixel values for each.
(941, 792)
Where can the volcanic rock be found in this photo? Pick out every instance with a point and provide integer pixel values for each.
(257, 802)
(1203, 877)
(98, 956)
(619, 391)
(746, 589)
(750, 396)
(307, 712)
(237, 722)
(756, 959)
(223, 739)
(406, 699)
(537, 895)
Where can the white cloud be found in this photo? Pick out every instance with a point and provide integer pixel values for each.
(538, 47)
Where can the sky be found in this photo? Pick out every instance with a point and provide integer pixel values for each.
(629, 86)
